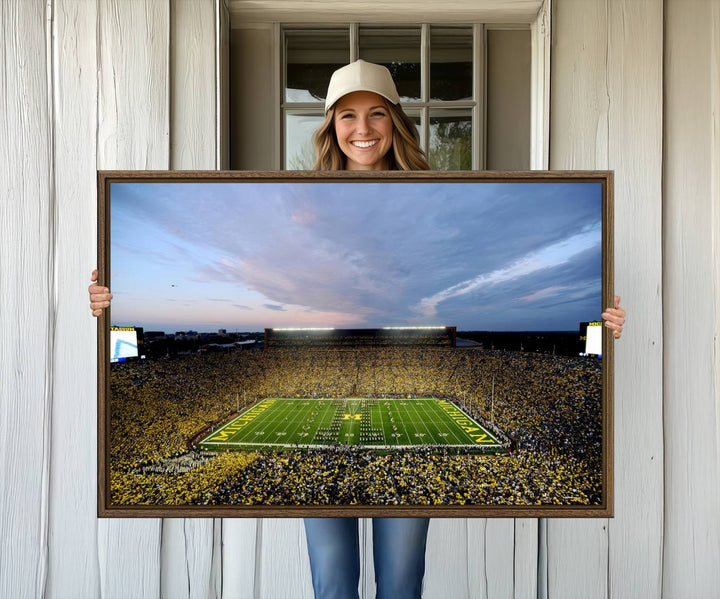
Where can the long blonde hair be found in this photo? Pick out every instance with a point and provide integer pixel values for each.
(404, 155)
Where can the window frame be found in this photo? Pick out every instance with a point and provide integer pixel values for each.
(476, 106)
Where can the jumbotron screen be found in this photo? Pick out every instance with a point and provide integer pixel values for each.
(591, 336)
(125, 343)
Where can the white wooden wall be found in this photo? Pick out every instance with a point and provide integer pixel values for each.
(691, 290)
(635, 87)
(607, 112)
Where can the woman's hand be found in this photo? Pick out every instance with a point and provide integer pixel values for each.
(615, 318)
(99, 296)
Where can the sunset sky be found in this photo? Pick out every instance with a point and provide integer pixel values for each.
(250, 255)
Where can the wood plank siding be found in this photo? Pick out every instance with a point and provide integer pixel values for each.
(634, 87)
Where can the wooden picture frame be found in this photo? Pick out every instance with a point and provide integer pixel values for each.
(504, 266)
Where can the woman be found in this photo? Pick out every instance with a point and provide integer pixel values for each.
(365, 129)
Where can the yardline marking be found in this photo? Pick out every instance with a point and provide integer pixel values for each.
(422, 411)
(416, 412)
(402, 420)
(457, 435)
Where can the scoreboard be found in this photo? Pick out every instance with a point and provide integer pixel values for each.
(591, 338)
(126, 343)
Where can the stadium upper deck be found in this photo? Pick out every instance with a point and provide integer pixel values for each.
(384, 337)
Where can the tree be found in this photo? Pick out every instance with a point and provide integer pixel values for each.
(450, 145)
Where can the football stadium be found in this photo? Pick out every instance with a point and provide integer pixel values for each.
(357, 417)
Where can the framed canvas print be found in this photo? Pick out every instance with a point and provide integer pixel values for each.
(355, 344)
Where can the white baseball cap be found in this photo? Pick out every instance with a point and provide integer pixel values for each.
(361, 76)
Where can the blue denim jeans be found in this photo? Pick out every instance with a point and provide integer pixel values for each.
(398, 552)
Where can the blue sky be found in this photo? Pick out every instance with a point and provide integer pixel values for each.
(245, 256)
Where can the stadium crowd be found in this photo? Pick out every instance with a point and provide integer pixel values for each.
(549, 406)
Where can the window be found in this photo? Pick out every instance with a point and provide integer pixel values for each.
(435, 71)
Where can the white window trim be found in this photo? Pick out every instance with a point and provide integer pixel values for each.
(540, 89)
(383, 11)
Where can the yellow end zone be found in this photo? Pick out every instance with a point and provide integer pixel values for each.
(243, 420)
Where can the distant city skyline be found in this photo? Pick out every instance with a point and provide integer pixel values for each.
(249, 256)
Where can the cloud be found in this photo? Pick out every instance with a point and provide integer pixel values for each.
(303, 217)
(543, 293)
(427, 307)
(275, 307)
(550, 256)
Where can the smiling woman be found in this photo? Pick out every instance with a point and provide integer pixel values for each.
(366, 129)
(363, 107)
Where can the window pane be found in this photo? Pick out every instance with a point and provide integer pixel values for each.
(415, 117)
(299, 149)
(450, 145)
(399, 51)
(451, 56)
(311, 58)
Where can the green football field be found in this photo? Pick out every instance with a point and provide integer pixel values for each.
(384, 424)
